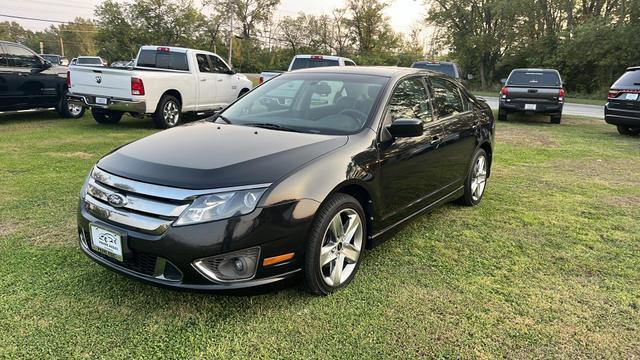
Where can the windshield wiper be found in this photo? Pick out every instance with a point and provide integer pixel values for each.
(221, 117)
(272, 126)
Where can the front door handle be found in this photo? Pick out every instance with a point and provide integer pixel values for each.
(219, 80)
(203, 79)
(435, 140)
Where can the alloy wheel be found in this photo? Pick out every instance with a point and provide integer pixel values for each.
(171, 113)
(341, 247)
(74, 109)
(479, 177)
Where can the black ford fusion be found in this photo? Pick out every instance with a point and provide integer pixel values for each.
(295, 179)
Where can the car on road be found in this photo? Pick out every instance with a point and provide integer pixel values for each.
(308, 61)
(532, 91)
(445, 67)
(56, 59)
(28, 81)
(266, 191)
(623, 103)
(164, 82)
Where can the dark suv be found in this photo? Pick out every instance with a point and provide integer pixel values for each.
(532, 91)
(28, 82)
(623, 107)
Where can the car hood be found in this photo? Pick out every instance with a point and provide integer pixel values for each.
(206, 155)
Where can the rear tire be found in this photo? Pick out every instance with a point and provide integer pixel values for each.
(556, 119)
(627, 130)
(476, 181)
(502, 115)
(168, 113)
(341, 253)
(69, 111)
(106, 116)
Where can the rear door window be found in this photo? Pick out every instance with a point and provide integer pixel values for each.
(203, 63)
(305, 63)
(628, 79)
(534, 78)
(446, 98)
(163, 60)
(20, 57)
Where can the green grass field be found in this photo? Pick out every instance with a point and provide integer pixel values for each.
(547, 266)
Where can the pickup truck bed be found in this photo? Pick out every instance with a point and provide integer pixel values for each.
(532, 91)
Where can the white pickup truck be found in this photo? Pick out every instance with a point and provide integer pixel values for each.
(309, 61)
(165, 82)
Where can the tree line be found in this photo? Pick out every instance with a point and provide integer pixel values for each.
(590, 41)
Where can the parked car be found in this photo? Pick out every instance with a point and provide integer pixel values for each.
(448, 68)
(165, 82)
(89, 61)
(30, 82)
(532, 91)
(308, 61)
(623, 106)
(121, 64)
(56, 59)
(265, 192)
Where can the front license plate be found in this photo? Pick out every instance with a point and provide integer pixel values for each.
(530, 106)
(106, 242)
(631, 97)
(102, 101)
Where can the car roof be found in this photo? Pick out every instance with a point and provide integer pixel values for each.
(426, 62)
(384, 71)
(535, 69)
(633, 68)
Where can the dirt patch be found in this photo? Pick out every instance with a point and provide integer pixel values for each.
(72, 155)
(526, 137)
(612, 171)
(627, 202)
(581, 121)
(7, 229)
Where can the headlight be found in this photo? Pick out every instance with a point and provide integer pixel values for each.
(83, 190)
(220, 206)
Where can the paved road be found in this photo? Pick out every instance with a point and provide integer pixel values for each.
(569, 109)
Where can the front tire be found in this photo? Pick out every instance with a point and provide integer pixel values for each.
(106, 116)
(336, 241)
(68, 110)
(476, 181)
(502, 115)
(168, 113)
(626, 130)
(556, 119)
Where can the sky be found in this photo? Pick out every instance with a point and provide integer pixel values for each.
(403, 13)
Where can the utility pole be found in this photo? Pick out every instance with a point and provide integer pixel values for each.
(230, 33)
(41, 47)
(61, 46)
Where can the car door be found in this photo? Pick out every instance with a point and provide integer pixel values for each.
(38, 89)
(226, 81)
(409, 167)
(207, 84)
(455, 113)
(12, 93)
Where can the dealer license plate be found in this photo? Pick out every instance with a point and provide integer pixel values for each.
(102, 101)
(106, 242)
(530, 106)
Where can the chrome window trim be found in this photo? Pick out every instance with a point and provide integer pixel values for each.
(106, 212)
(136, 203)
(161, 191)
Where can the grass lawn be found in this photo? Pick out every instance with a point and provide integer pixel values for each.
(569, 98)
(547, 266)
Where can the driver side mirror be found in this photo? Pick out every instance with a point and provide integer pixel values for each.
(231, 71)
(406, 128)
(42, 67)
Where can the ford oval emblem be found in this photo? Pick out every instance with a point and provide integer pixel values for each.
(98, 79)
(117, 200)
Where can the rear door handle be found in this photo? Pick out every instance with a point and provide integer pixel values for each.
(203, 79)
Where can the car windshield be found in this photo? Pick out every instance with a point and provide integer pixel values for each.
(534, 78)
(305, 63)
(92, 61)
(51, 58)
(447, 69)
(314, 103)
(628, 79)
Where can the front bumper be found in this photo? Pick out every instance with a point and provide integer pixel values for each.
(626, 117)
(541, 107)
(166, 259)
(114, 104)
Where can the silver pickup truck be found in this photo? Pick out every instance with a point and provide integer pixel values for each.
(532, 91)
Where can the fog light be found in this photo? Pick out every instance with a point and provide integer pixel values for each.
(235, 266)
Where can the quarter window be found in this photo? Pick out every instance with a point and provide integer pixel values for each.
(446, 98)
(21, 57)
(410, 101)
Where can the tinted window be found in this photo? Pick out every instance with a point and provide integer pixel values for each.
(218, 65)
(203, 63)
(410, 101)
(314, 103)
(630, 78)
(534, 78)
(304, 63)
(163, 60)
(20, 57)
(446, 98)
(52, 59)
(447, 69)
(349, 63)
(90, 61)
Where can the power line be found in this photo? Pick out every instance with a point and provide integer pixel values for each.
(35, 19)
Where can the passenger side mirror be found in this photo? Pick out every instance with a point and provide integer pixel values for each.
(406, 128)
(503, 81)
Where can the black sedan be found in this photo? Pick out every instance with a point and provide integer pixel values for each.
(295, 179)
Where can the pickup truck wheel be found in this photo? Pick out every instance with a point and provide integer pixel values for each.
(502, 115)
(555, 119)
(69, 110)
(167, 114)
(106, 116)
(627, 130)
